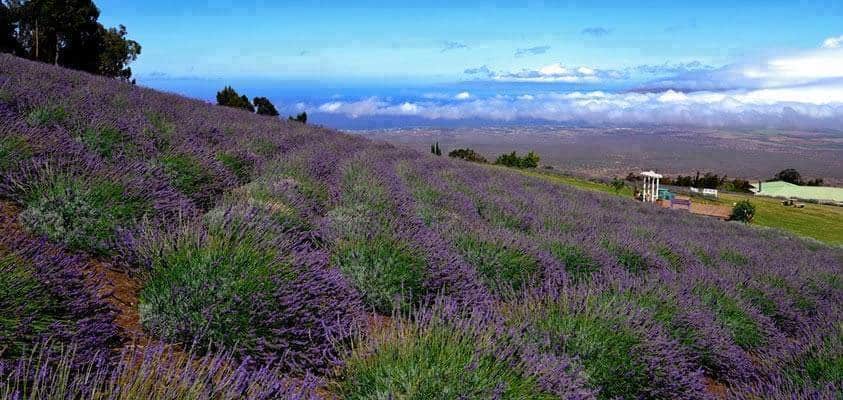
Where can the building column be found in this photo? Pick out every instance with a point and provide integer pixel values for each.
(656, 192)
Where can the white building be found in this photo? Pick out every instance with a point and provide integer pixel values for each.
(650, 192)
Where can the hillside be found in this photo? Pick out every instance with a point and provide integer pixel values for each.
(155, 246)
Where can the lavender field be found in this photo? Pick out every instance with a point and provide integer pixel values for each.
(157, 247)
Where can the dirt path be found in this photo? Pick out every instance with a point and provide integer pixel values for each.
(117, 288)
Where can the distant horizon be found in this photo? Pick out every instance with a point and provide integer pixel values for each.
(721, 63)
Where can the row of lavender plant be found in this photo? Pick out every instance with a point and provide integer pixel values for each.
(711, 294)
(680, 299)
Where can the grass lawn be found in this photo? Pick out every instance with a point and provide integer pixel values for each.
(820, 222)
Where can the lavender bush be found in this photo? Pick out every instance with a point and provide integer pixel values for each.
(153, 373)
(271, 239)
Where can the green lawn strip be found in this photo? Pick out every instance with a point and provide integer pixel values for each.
(817, 221)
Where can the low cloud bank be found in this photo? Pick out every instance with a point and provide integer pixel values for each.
(806, 107)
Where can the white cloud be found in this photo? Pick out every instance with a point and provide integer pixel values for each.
(794, 69)
(833, 42)
(463, 96)
(807, 107)
(556, 73)
(797, 90)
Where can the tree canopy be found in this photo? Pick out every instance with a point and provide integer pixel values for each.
(265, 107)
(531, 160)
(66, 33)
(230, 98)
(468, 155)
(299, 118)
(789, 175)
(743, 211)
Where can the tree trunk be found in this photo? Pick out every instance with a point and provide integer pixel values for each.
(57, 49)
(36, 38)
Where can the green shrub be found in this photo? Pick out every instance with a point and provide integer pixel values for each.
(703, 256)
(83, 214)
(821, 364)
(531, 160)
(258, 194)
(743, 211)
(800, 300)
(46, 115)
(500, 267)
(361, 187)
(497, 217)
(161, 132)
(240, 166)
(389, 274)
(628, 258)
(734, 258)
(760, 300)
(186, 173)
(27, 309)
(468, 155)
(744, 330)
(201, 288)
(606, 349)
(665, 311)
(431, 363)
(673, 259)
(578, 265)
(106, 141)
(263, 147)
(13, 149)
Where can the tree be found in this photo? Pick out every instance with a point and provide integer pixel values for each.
(66, 33)
(116, 53)
(531, 160)
(509, 160)
(229, 97)
(8, 44)
(265, 107)
(789, 175)
(618, 185)
(299, 118)
(437, 150)
(815, 182)
(743, 211)
(468, 155)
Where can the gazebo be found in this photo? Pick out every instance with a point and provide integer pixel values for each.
(650, 193)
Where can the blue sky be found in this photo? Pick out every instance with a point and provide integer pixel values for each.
(369, 58)
(382, 40)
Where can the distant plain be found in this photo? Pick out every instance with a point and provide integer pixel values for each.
(608, 152)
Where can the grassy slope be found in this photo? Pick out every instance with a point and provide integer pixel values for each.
(820, 222)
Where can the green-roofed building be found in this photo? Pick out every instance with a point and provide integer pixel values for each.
(789, 190)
